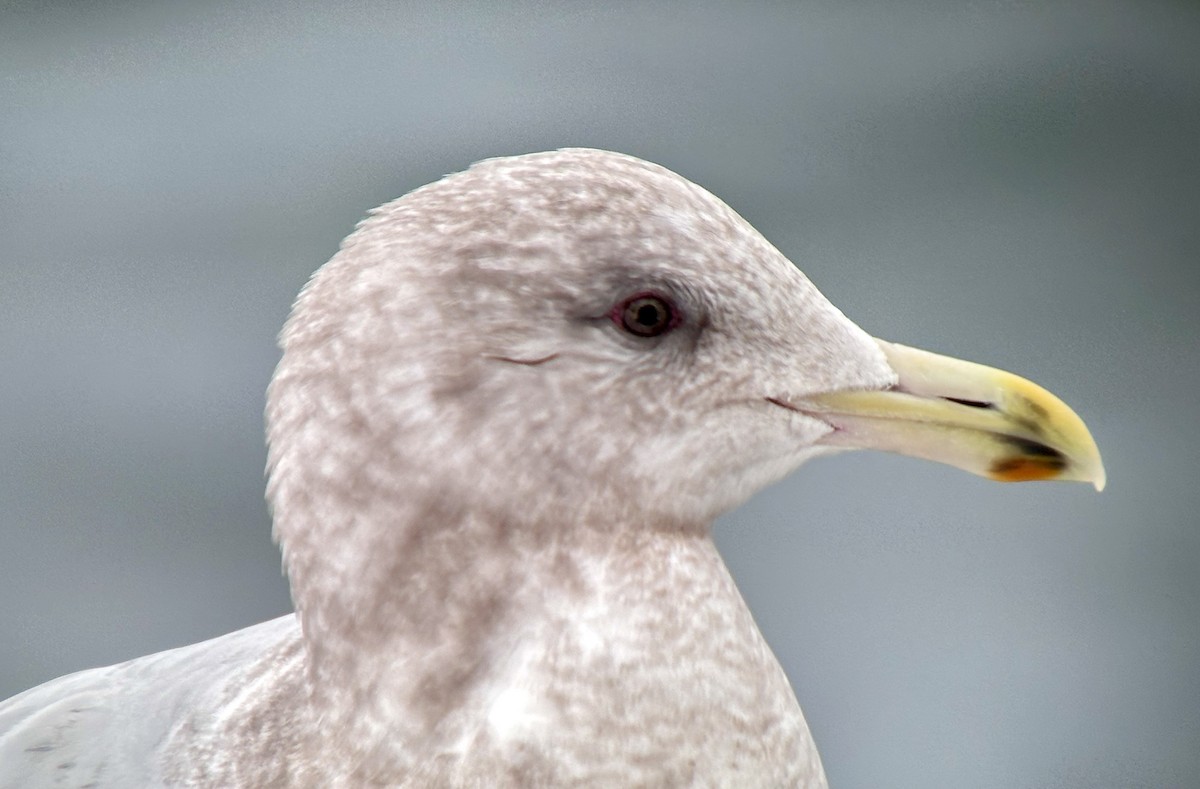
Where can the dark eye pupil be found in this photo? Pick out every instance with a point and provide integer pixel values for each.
(646, 316)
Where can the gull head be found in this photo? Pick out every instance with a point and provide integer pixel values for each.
(564, 336)
(582, 337)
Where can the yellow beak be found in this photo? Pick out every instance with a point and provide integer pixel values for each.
(977, 418)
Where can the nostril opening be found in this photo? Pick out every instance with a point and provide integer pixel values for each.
(970, 403)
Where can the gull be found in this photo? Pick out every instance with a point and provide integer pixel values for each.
(506, 414)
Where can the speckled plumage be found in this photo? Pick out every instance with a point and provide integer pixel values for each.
(494, 508)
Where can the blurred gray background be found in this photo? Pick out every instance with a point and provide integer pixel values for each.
(1013, 183)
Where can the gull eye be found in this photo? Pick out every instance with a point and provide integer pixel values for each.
(646, 315)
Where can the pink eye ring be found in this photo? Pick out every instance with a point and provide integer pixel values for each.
(646, 315)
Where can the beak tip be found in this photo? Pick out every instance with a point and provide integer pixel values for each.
(986, 421)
